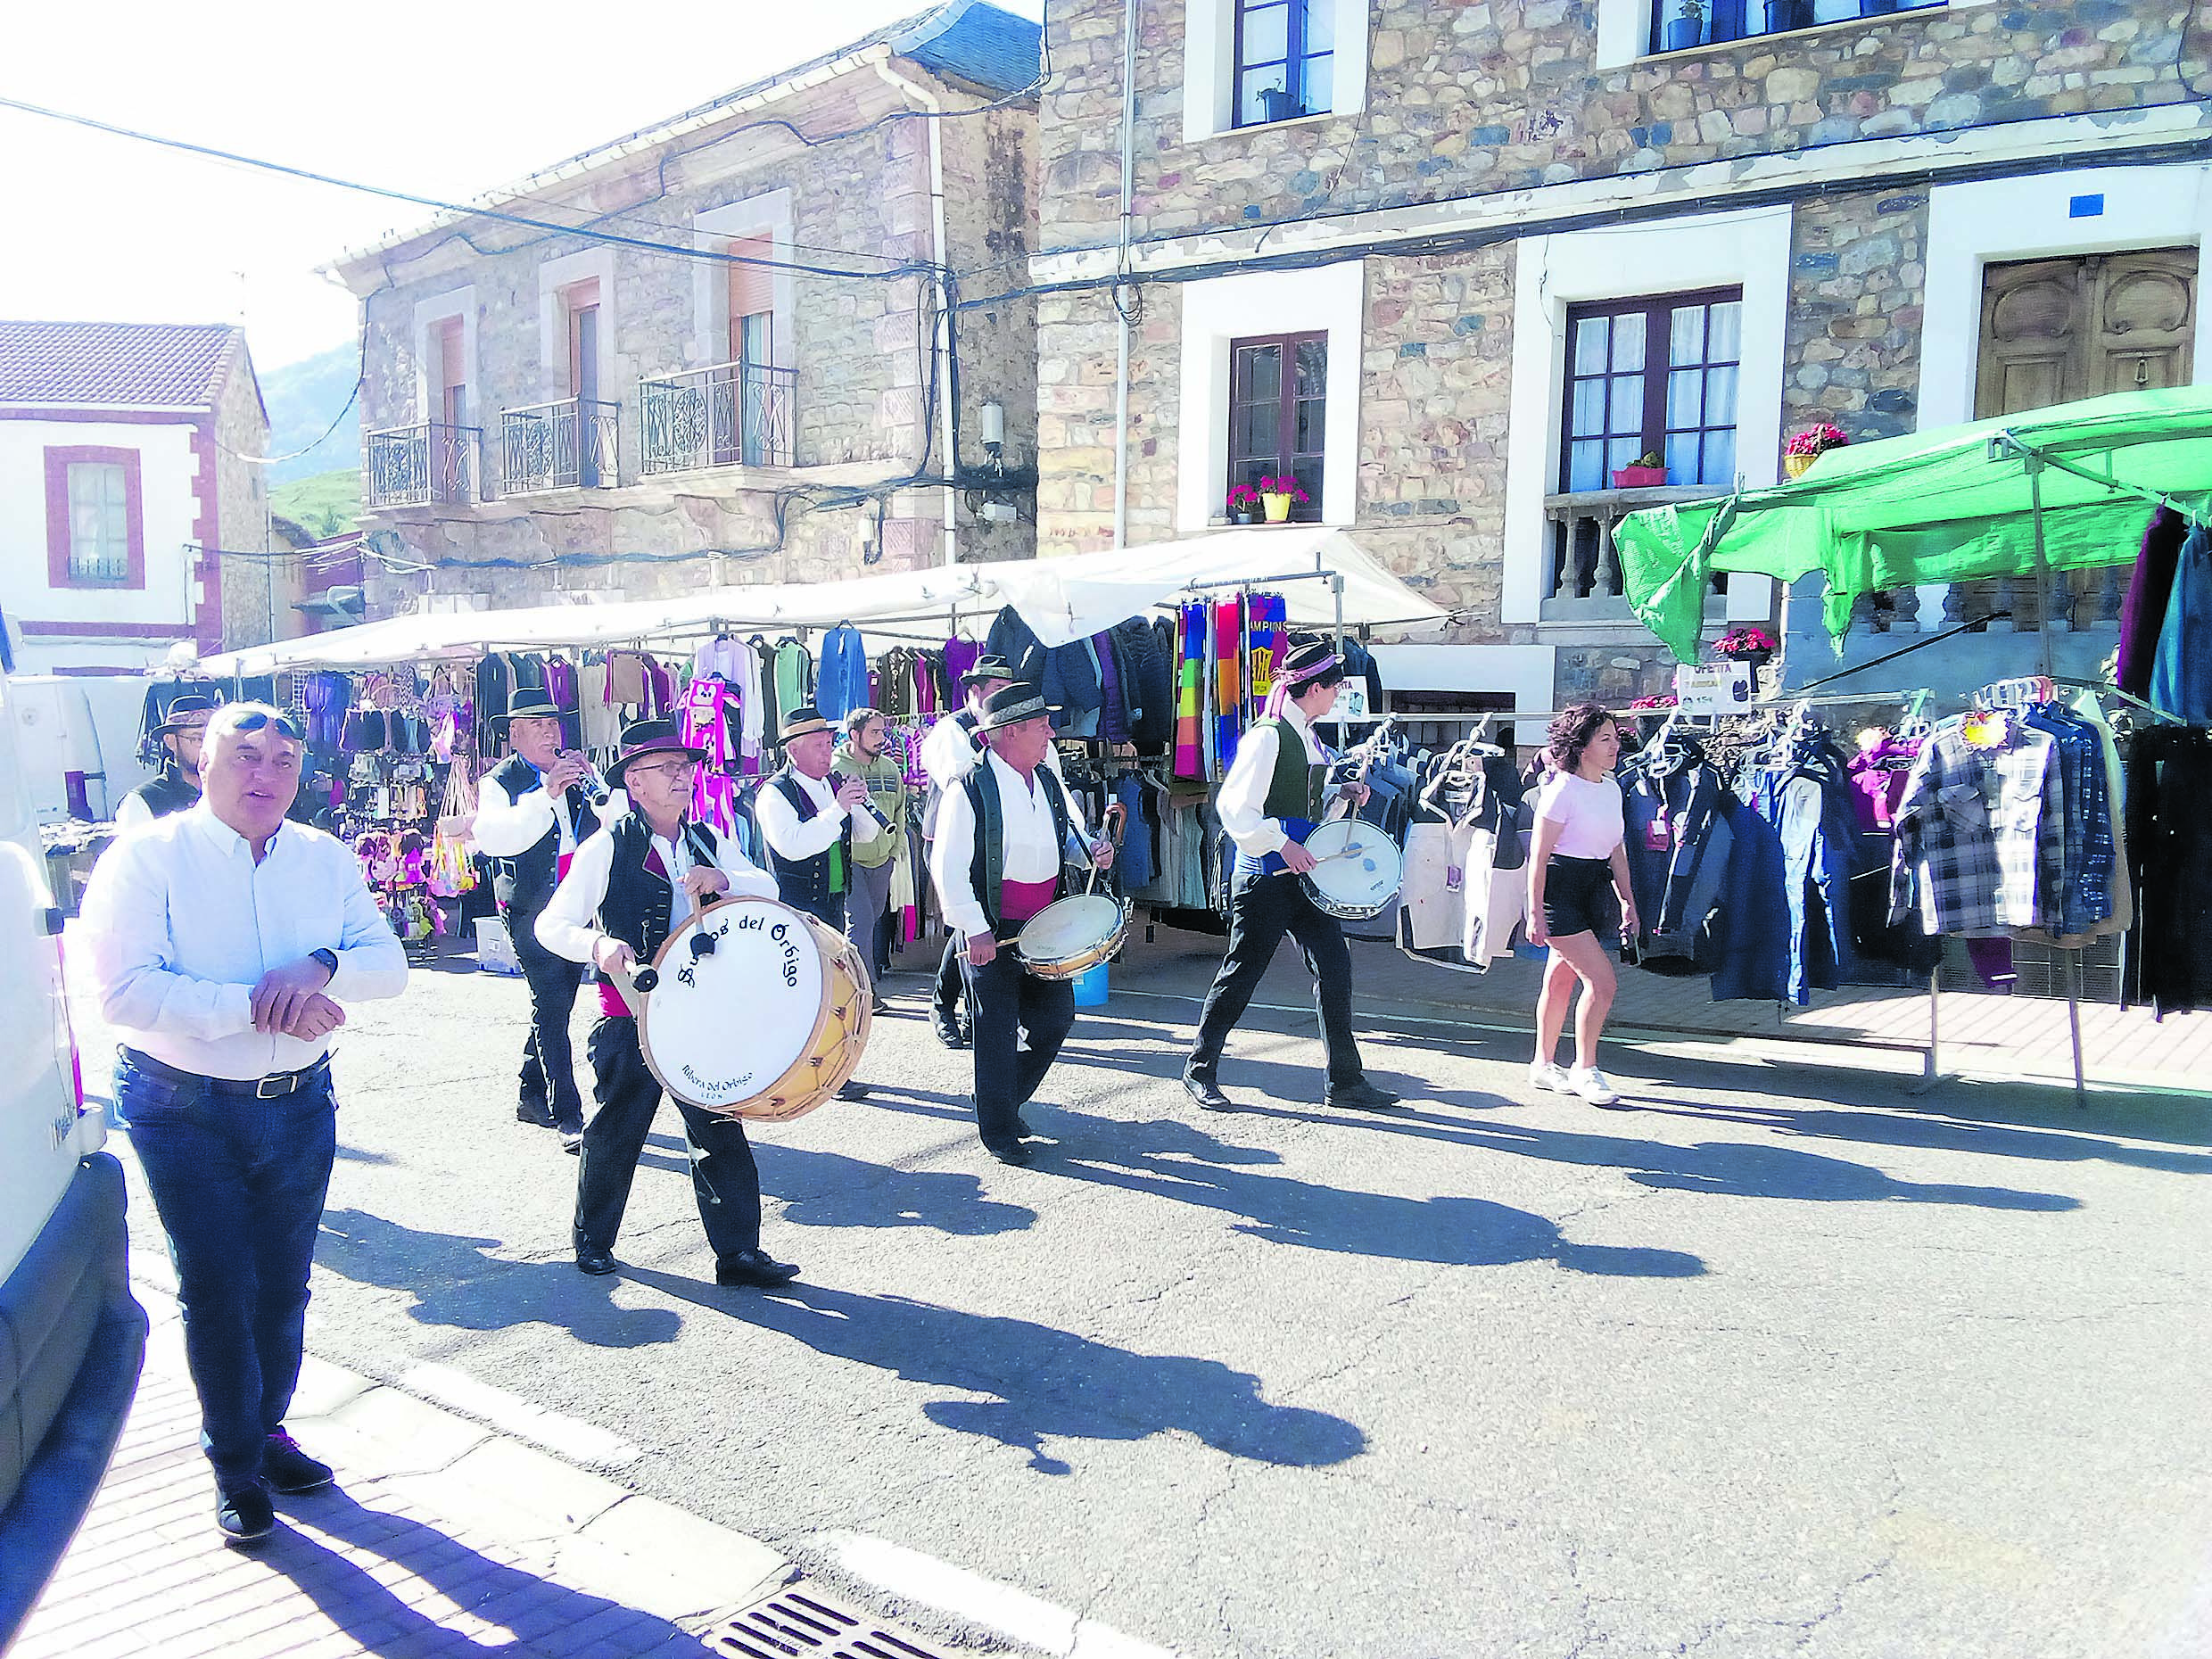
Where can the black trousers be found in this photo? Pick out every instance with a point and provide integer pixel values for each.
(548, 1073)
(724, 1180)
(952, 981)
(1020, 1021)
(1262, 911)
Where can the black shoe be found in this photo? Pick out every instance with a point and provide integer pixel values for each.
(1360, 1096)
(948, 1034)
(1206, 1092)
(1009, 1152)
(594, 1261)
(536, 1112)
(852, 1092)
(572, 1141)
(753, 1266)
(245, 1514)
(289, 1470)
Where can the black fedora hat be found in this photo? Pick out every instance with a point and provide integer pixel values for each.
(531, 703)
(1010, 704)
(642, 737)
(191, 709)
(989, 666)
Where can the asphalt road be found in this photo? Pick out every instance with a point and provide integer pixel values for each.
(1784, 1362)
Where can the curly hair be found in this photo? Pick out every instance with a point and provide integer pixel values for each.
(1571, 733)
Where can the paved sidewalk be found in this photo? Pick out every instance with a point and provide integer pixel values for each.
(443, 1537)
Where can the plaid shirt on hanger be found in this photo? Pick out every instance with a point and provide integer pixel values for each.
(1970, 848)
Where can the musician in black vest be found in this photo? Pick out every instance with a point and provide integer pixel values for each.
(177, 786)
(1005, 838)
(629, 888)
(533, 810)
(806, 824)
(1275, 792)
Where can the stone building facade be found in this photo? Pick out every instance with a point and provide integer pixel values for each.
(1512, 245)
(744, 375)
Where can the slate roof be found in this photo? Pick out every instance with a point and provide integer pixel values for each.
(125, 365)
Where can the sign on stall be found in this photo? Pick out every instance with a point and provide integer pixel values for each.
(1713, 687)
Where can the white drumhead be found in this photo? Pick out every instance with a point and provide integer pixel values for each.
(1068, 925)
(725, 1027)
(1361, 864)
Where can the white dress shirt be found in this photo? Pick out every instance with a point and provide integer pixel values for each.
(133, 812)
(508, 828)
(1033, 853)
(779, 824)
(950, 751)
(180, 924)
(1244, 791)
(568, 924)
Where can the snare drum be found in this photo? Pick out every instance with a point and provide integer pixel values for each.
(767, 1024)
(1071, 935)
(1359, 871)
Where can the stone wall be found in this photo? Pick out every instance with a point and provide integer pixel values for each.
(1858, 281)
(1467, 98)
(1076, 349)
(259, 594)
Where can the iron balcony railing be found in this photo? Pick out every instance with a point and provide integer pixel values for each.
(426, 463)
(569, 445)
(732, 415)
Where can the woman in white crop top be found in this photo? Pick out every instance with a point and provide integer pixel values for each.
(1578, 895)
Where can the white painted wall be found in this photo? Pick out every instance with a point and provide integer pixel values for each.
(1973, 226)
(1523, 672)
(1331, 298)
(1748, 249)
(167, 471)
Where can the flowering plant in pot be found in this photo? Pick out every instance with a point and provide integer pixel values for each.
(1647, 472)
(1808, 446)
(1744, 644)
(1277, 496)
(1243, 504)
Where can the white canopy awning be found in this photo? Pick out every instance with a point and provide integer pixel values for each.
(1061, 598)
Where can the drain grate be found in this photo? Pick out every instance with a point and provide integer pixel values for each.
(806, 1624)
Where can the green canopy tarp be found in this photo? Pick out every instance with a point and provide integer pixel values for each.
(1941, 506)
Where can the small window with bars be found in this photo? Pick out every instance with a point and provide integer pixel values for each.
(1285, 59)
(1653, 377)
(99, 522)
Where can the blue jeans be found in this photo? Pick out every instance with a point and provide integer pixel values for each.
(239, 1185)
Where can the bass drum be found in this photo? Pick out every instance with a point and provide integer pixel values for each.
(1359, 872)
(1071, 935)
(757, 1011)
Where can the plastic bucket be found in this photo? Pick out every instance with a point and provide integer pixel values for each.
(1091, 986)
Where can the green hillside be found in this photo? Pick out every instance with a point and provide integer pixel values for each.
(324, 505)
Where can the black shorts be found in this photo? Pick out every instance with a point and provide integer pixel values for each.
(1579, 898)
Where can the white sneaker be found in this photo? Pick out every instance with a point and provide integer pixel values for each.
(1591, 1085)
(1544, 1075)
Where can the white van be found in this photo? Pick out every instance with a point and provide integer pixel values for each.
(71, 1337)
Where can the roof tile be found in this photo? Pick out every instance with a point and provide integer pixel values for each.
(149, 364)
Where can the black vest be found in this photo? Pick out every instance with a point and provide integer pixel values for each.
(986, 868)
(639, 903)
(804, 883)
(166, 792)
(534, 872)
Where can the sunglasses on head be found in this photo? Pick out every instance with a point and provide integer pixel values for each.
(283, 724)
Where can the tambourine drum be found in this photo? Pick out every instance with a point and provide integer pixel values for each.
(1070, 934)
(1359, 871)
(767, 1024)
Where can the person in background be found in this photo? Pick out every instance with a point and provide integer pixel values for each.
(1579, 896)
(177, 786)
(864, 756)
(629, 888)
(533, 810)
(1005, 838)
(224, 942)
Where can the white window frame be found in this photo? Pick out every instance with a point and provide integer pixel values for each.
(1749, 251)
(1624, 27)
(443, 308)
(765, 215)
(555, 278)
(1329, 298)
(1210, 71)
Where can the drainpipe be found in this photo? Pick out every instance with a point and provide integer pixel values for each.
(1122, 271)
(948, 463)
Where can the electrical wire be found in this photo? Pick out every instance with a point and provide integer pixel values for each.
(273, 460)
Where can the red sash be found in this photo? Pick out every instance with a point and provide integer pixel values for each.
(1019, 901)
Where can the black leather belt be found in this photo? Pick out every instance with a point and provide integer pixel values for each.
(274, 1087)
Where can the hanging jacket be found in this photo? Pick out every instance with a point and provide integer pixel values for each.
(1015, 640)
(1073, 687)
(1750, 934)
(2142, 614)
(843, 686)
(1150, 685)
(1811, 809)
(1678, 842)
(2181, 670)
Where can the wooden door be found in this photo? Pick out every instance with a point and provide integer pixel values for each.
(2055, 330)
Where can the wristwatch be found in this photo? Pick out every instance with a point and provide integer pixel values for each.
(329, 959)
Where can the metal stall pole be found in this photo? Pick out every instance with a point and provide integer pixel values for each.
(2034, 463)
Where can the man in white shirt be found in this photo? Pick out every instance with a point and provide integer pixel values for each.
(223, 941)
(1004, 836)
(1275, 792)
(533, 810)
(949, 753)
(177, 786)
(629, 888)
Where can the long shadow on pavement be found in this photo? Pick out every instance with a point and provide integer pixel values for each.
(1046, 1382)
(380, 1621)
(1170, 1160)
(456, 1282)
(822, 1189)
